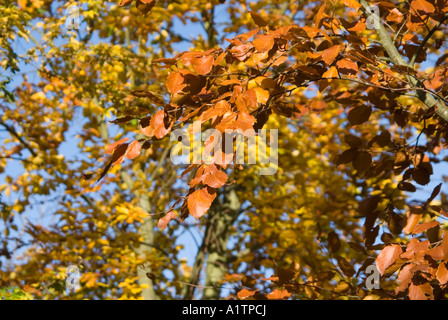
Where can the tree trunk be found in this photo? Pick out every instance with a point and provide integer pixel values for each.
(224, 216)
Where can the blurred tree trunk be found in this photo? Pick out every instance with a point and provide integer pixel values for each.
(222, 216)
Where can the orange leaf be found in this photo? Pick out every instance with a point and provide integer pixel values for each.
(125, 2)
(174, 82)
(263, 43)
(395, 16)
(200, 201)
(262, 95)
(216, 178)
(444, 246)
(133, 150)
(387, 257)
(420, 292)
(320, 15)
(330, 54)
(352, 4)
(310, 31)
(423, 5)
(163, 222)
(442, 273)
(156, 126)
(330, 73)
(110, 148)
(413, 220)
(203, 65)
(318, 105)
(245, 293)
(278, 294)
(347, 66)
(425, 226)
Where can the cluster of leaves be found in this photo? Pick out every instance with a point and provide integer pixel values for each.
(361, 120)
(239, 87)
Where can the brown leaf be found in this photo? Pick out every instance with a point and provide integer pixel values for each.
(387, 257)
(346, 267)
(333, 242)
(407, 186)
(421, 175)
(147, 94)
(125, 2)
(144, 6)
(444, 246)
(258, 19)
(200, 201)
(362, 161)
(434, 193)
(359, 114)
(346, 157)
(119, 153)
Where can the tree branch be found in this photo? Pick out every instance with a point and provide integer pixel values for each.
(388, 45)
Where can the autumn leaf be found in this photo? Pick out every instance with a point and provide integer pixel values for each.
(352, 4)
(359, 115)
(387, 257)
(412, 221)
(319, 16)
(200, 201)
(258, 19)
(278, 294)
(442, 273)
(425, 226)
(133, 150)
(347, 66)
(330, 73)
(125, 2)
(330, 54)
(203, 65)
(110, 148)
(395, 16)
(421, 292)
(216, 178)
(263, 42)
(163, 222)
(262, 95)
(174, 82)
(245, 293)
(423, 5)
